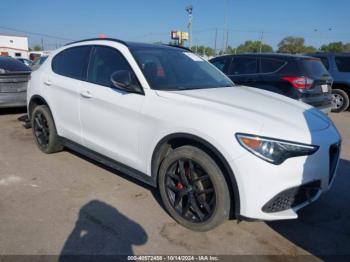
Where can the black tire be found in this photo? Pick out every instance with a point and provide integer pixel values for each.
(340, 101)
(202, 175)
(44, 130)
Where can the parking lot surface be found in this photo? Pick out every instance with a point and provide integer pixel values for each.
(67, 204)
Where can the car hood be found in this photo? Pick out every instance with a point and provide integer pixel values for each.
(267, 108)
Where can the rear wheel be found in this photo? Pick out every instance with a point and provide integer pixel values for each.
(340, 100)
(44, 130)
(193, 189)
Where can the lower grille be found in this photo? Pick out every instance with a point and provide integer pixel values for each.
(292, 197)
(334, 152)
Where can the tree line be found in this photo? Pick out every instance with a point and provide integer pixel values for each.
(290, 44)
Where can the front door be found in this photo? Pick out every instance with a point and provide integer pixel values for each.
(110, 117)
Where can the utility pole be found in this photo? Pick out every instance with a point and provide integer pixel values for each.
(215, 41)
(226, 44)
(261, 40)
(226, 28)
(189, 10)
(42, 44)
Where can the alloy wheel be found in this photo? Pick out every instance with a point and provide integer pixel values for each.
(41, 129)
(337, 101)
(190, 190)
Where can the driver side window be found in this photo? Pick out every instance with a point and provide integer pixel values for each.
(104, 62)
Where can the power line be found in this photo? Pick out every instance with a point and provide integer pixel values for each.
(35, 33)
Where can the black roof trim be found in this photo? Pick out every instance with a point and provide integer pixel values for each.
(181, 47)
(94, 39)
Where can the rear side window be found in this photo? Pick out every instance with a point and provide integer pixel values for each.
(271, 65)
(343, 63)
(244, 66)
(104, 62)
(72, 62)
(314, 68)
(221, 63)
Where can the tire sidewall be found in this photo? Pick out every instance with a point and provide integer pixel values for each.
(52, 145)
(222, 206)
(345, 96)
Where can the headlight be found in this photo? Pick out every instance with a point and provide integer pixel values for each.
(273, 150)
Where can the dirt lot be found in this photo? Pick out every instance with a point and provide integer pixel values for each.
(66, 204)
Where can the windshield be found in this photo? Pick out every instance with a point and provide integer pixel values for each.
(174, 69)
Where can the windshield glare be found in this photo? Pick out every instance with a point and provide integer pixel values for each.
(174, 69)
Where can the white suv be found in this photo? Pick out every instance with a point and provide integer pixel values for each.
(167, 117)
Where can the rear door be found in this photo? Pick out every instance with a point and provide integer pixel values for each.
(244, 70)
(63, 85)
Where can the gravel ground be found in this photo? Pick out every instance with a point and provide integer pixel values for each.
(66, 204)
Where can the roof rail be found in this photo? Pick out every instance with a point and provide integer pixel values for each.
(94, 39)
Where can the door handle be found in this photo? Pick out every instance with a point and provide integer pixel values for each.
(48, 82)
(86, 94)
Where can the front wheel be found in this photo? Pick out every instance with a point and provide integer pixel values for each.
(193, 189)
(340, 100)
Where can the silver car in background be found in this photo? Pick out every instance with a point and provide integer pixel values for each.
(14, 76)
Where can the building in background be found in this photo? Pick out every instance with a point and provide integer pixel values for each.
(15, 46)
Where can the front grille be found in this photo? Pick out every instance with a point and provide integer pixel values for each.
(292, 197)
(334, 152)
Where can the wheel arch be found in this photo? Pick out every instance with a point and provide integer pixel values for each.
(172, 141)
(35, 100)
(343, 86)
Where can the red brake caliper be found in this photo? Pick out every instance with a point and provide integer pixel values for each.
(179, 185)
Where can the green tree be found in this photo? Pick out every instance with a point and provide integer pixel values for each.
(310, 49)
(203, 50)
(173, 42)
(292, 45)
(333, 47)
(253, 47)
(231, 50)
(209, 51)
(37, 48)
(346, 47)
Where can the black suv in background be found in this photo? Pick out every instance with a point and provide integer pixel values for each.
(300, 77)
(338, 66)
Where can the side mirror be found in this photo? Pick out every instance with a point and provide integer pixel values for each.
(123, 80)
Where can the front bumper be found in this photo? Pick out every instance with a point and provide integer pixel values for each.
(18, 99)
(275, 192)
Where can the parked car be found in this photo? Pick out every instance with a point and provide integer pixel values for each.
(165, 116)
(25, 61)
(34, 55)
(338, 66)
(298, 77)
(38, 62)
(14, 76)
